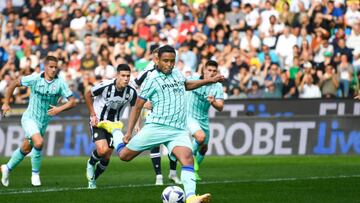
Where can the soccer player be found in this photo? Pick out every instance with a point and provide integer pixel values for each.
(166, 124)
(110, 99)
(46, 89)
(155, 152)
(199, 102)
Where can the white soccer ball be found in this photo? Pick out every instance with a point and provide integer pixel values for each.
(173, 194)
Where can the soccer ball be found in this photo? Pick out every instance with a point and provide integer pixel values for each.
(173, 194)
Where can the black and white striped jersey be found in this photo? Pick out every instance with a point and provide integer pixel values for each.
(110, 102)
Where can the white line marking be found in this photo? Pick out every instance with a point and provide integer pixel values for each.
(31, 190)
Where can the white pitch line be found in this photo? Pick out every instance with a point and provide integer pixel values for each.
(27, 191)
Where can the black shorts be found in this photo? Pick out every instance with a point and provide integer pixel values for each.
(101, 134)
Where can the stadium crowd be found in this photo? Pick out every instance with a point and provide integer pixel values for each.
(264, 48)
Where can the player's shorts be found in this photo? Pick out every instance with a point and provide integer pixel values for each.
(31, 127)
(194, 125)
(152, 135)
(102, 134)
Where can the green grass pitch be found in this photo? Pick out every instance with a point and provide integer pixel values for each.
(229, 179)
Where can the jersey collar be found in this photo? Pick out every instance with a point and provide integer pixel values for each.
(43, 75)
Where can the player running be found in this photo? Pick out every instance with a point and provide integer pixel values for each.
(46, 89)
(110, 99)
(199, 102)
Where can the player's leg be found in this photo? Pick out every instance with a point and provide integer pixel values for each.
(172, 173)
(98, 157)
(104, 162)
(150, 136)
(185, 157)
(156, 162)
(180, 147)
(37, 142)
(200, 154)
(199, 137)
(100, 154)
(17, 156)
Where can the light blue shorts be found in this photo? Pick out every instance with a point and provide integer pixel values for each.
(194, 125)
(31, 127)
(152, 135)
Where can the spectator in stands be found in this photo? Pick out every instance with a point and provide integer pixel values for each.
(255, 92)
(240, 35)
(104, 70)
(341, 48)
(308, 89)
(289, 89)
(188, 56)
(273, 78)
(235, 18)
(345, 73)
(271, 92)
(329, 83)
(284, 46)
(89, 60)
(353, 41)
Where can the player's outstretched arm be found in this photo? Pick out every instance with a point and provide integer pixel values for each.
(89, 105)
(54, 110)
(193, 84)
(218, 104)
(134, 116)
(6, 106)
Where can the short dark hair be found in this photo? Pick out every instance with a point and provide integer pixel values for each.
(123, 67)
(211, 63)
(51, 58)
(166, 49)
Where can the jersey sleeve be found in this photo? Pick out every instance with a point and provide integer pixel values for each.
(29, 80)
(133, 100)
(97, 89)
(147, 89)
(219, 92)
(65, 90)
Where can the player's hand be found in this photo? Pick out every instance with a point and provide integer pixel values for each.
(93, 120)
(4, 109)
(126, 138)
(357, 97)
(53, 110)
(218, 78)
(148, 105)
(211, 99)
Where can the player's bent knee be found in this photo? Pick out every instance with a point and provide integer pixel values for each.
(102, 151)
(123, 157)
(127, 155)
(38, 145)
(26, 150)
(200, 137)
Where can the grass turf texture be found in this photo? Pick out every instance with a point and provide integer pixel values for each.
(228, 179)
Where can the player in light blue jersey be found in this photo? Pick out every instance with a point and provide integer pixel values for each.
(199, 102)
(46, 89)
(166, 124)
(155, 152)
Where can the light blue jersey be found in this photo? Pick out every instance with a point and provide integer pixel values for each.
(43, 94)
(197, 103)
(167, 95)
